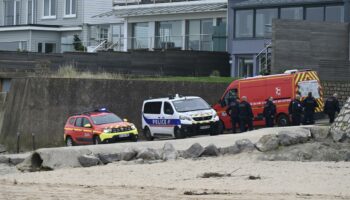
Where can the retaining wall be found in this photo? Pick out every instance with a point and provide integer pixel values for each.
(42, 106)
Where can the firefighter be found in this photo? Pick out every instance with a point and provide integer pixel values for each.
(309, 105)
(295, 110)
(233, 112)
(245, 115)
(269, 112)
(331, 107)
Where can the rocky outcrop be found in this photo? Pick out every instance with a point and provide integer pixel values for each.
(195, 151)
(340, 129)
(267, 143)
(89, 160)
(169, 152)
(211, 150)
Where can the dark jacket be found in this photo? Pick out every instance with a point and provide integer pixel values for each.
(331, 106)
(310, 104)
(245, 110)
(295, 107)
(269, 109)
(233, 109)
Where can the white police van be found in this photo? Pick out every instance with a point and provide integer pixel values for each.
(178, 117)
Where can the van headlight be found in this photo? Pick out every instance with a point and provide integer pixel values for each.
(183, 117)
(133, 127)
(107, 130)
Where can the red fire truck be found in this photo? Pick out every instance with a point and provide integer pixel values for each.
(282, 87)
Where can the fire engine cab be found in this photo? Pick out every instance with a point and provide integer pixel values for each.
(282, 87)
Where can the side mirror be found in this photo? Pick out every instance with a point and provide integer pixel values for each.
(125, 120)
(87, 126)
(222, 103)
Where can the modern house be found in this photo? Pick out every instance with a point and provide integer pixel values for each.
(49, 26)
(171, 24)
(250, 24)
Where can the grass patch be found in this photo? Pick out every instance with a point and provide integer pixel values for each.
(70, 71)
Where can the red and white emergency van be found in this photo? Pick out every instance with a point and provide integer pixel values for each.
(282, 87)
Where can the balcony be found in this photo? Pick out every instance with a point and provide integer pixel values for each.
(138, 2)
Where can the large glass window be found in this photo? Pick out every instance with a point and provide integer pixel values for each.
(169, 35)
(30, 10)
(118, 36)
(244, 23)
(12, 12)
(263, 21)
(315, 14)
(219, 35)
(245, 67)
(49, 8)
(335, 13)
(200, 34)
(292, 13)
(70, 10)
(140, 36)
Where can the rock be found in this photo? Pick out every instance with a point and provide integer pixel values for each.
(267, 143)
(169, 152)
(245, 145)
(108, 158)
(338, 135)
(148, 154)
(88, 160)
(128, 154)
(4, 160)
(293, 136)
(3, 149)
(195, 151)
(211, 150)
(230, 150)
(16, 160)
(319, 133)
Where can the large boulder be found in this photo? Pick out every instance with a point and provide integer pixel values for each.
(128, 154)
(338, 135)
(109, 158)
(340, 129)
(245, 145)
(230, 150)
(89, 160)
(293, 136)
(211, 150)
(195, 151)
(267, 143)
(4, 160)
(169, 152)
(148, 154)
(319, 133)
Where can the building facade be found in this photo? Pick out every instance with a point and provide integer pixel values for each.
(168, 24)
(49, 26)
(250, 27)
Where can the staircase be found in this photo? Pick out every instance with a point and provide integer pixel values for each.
(264, 59)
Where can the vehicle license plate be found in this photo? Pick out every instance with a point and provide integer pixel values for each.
(204, 127)
(124, 135)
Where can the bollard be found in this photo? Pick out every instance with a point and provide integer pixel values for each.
(33, 141)
(18, 137)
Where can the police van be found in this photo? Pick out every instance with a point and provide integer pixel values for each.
(178, 117)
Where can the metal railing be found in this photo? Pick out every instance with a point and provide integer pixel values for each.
(138, 2)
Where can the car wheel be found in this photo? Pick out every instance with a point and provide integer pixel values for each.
(96, 140)
(69, 142)
(147, 134)
(219, 128)
(282, 120)
(134, 138)
(178, 133)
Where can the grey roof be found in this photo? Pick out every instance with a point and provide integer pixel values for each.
(265, 3)
(124, 11)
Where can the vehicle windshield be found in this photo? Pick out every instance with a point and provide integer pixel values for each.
(106, 119)
(186, 105)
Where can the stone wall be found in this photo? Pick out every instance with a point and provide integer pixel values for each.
(340, 129)
(340, 87)
(42, 106)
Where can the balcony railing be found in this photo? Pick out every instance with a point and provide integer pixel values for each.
(137, 2)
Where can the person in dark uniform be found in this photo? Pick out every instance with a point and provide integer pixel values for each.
(331, 107)
(245, 115)
(295, 110)
(309, 105)
(269, 112)
(233, 112)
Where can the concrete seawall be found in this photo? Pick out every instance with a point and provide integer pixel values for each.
(41, 106)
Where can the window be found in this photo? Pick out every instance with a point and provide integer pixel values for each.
(103, 33)
(231, 94)
(71, 121)
(315, 14)
(152, 108)
(30, 11)
(245, 66)
(200, 34)
(70, 8)
(244, 23)
(263, 21)
(118, 36)
(85, 121)
(169, 34)
(40, 47)
(168, 109)
(335, 13)
(140, 36)
(12, 12)
(50, 47)
(49, 9)
(78, 122)
(292, 13)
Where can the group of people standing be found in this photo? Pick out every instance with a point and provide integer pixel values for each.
(301, 112)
